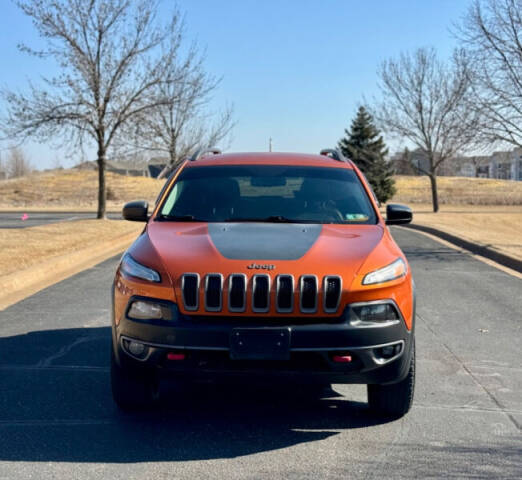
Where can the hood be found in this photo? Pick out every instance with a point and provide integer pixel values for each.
(287, 248)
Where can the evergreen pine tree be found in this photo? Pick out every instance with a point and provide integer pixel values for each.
(365, 146)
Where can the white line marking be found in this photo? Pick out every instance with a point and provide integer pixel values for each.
(464, 408)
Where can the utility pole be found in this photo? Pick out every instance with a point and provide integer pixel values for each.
(270, 144)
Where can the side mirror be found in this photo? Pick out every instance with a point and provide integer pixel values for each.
(136, 211)
(398, 214)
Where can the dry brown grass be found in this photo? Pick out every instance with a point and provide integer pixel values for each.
(74, 189)
(485, 211)
(497, 227)
(25, 247)
(77, 190)
(459, 190)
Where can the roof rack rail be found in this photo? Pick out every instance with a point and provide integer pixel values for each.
(203, 153)
(333, 153)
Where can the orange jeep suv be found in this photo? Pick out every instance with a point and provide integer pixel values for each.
(263, 264)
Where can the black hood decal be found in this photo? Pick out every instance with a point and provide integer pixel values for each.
(263, 241)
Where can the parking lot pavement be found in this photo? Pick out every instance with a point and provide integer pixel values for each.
(24, 220)
(57, 419)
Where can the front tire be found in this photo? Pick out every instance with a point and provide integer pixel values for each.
(130, 390)
(394, 400)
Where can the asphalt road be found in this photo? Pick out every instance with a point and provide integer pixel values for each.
(18, 220)
(57, 419)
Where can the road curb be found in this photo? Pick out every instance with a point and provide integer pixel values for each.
(19, 285)
(474, 248)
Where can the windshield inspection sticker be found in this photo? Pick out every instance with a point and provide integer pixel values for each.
(356, 217)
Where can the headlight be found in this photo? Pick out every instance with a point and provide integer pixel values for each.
(134, 269)
(393, 271)
(373, 312)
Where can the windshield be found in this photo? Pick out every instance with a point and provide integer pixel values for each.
(268, 193)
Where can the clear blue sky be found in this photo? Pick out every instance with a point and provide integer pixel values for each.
(295, 70)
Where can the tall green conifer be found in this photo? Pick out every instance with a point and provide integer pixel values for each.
(365, 146)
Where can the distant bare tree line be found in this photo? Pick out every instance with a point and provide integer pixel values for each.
(122, 70)
(182, 124)
(14, 164)
(426, 101)
(128, 81)
(491, 34)
(473, 101)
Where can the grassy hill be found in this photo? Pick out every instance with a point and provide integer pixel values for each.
(467, 204)
(78, 189)
(459, 191)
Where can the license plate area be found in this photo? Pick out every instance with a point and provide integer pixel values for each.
(260, 344)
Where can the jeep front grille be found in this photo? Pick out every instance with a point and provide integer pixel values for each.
(190, 291)
(285, 293)
(259, 297)
(308, 293)
(261, 293)
(237, 292)
(332, 287)
(213, 292)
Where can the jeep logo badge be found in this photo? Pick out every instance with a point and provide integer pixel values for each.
(256, 266)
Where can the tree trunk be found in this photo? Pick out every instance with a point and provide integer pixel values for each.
(102, 191)
(172, 154)
(434, 194)
(172, 157)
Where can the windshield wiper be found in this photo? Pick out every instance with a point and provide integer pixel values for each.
(270, 219)
(179, 218)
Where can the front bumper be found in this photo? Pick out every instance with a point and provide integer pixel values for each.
(205, 343)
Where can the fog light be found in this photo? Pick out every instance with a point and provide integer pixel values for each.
(145, 310)
(388, 351)
(137, 349)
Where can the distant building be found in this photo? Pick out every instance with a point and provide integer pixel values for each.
(473, 166)
(467, 170)
(419, 161)
(416, 162)
(401, 164)
(506, 165)
(500, 165)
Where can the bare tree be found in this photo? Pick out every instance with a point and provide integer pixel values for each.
(478, 161)
(402, 163)
(425, 101)
(3, 168)
(17, 164)
(182, 124)
(491, 33)
(112, 53)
